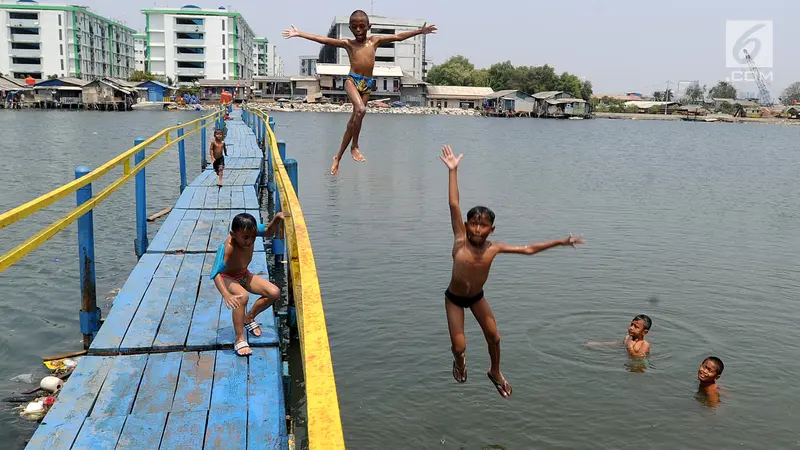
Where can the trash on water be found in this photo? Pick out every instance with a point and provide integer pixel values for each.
(36, 409)
(56, 259)
(61, 367)
(51, 384)
(24, 378)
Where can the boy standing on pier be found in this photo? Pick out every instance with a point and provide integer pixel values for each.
(234, 281)
(359, 82)
(218, 151)
(472, 258)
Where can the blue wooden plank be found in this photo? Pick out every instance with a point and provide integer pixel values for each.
(258, 246)
(198, 180)
(165, 233)
(184, 430)
(203, 331)
(250, 198)
(186, 198)
(269, 332)
(158, 384)
(126, 303)
(237, 198)
(192, 214)
(169, 266)
(224, 197)
(143, 328)
(195, 382)
(252, 179)
(99, 432)
(220, 230)
(61, 424)
(202, 232)
(178, 314)
(266, 411)
(142, 431)
(212, 197)
(119, 389)
(230, 380)
(182, 236)
(226, 429)
(199, 198)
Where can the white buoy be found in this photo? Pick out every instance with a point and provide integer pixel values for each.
(51, 384)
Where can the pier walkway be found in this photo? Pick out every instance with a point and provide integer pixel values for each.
(160, 372)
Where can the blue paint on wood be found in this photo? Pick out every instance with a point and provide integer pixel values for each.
(205, 320)
(237, 198)
(99, 432)
(185, 198)
(119, 389)
(224, 201)
(250, 198)
(220, 230)
(142, 431)
(198, 242)
(55, 436)
(266, 412)
(143, 328)
(126, 303)
(141, 203)
(230, 380)
(226, 429)
(258, 246)
(199, 198)
(192, 214)
(178, 314)
(182, 236)
(212, 197)
(269, 333)
(195, 382)
(185, 430)
(158, 384)
(167, 230)
(169, 266)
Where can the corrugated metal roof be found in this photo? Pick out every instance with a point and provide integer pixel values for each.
(344, 69)
(223, 83)
(459, 92)
(157, 83)
(546, 94)
(647, 104)
(409, 80)
(501, 94)
(9, 84)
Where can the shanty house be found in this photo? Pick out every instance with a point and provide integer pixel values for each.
(466, 97)
(509, 101)
(59, 92)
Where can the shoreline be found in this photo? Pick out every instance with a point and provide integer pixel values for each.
(721, 118)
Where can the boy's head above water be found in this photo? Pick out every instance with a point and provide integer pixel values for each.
(479, 224)
(710, 370)
(359, 24)
(640, 326)
(244, 229)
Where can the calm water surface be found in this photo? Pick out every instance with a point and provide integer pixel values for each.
(693, 224)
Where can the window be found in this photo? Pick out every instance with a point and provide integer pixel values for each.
(396, 84)
(191, 50)
(223, 39)
(188, 21)
(223, 24)
(223, 55)
(191, 64)
(60, 35)
(224, 68)
(61, 50)
(190, 35)
(381, 31)
(23, 16)
(26, 60)
(59, 20)
(445, 104)
(386, 45)
(23, 75)
(384, 59)
(385, 88)
(62, 64)
(25, 45)
(21, 30)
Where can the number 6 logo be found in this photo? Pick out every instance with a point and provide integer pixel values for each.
(744, 40)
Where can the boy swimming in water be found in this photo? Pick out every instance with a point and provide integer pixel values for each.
(708, 374)
(635, 341)
(218, 151)
(234, 281)
(359, 82)
(472, 257)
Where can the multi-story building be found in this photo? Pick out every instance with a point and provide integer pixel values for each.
(308, 65)
(139, 51)
(409, 55)
(44, 40)
(261, 57)
(190, 43)
(277, 63)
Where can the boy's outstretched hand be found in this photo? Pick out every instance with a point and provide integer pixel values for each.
(428, 29)
(575, 241)
(450, 160)
(290, 33)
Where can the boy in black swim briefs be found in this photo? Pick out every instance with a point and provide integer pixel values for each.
(472, 258)
(218, 151)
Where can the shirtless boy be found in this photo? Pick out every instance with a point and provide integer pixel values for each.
(708, 374)
(359, 82)
(635, 342)
(234, 281)
(218, 151)
(472, 258)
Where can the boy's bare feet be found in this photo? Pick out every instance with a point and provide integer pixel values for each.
(357, 156)
(335, 166)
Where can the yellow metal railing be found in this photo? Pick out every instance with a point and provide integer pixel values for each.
(322, 403)
(129, 171)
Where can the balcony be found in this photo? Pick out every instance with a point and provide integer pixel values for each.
(184, 72)
(25, 23)
(189, 28)
(189, 42)
(26, 68)
(25, 53)
(190, 56)
(25, 38)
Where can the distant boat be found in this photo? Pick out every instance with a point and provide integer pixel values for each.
(148, 106)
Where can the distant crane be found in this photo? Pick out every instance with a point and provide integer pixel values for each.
(764, 98)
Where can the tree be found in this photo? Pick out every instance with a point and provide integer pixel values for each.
(658, 96)
(501, 75)
(695, 93)
(668, 96)
(52, 77)
(146, 76)
(586, 90)
(456, 71)
(569, 83)
(479, 78)
(791, 94)
(723, 89)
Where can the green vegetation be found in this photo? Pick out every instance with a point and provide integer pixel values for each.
(791, 94)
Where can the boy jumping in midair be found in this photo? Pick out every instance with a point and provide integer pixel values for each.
(472, 257)
(359, 83)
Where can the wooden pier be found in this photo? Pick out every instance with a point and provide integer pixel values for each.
(161, 372)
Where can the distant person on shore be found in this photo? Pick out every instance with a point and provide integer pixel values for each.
(234, 280)
(359, 82)
(218, 151)
(472, 257)
(635, 341)
(708, 374)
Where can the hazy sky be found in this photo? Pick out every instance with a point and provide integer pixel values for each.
(620, 45)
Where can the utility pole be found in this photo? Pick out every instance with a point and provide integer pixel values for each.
(666, 98)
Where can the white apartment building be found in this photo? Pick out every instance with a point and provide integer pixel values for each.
(409, 55)
(43, 40)
(191, 43)
(260, 57)
(308, 65)
(139, 51)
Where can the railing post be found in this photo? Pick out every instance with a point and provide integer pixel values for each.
(282, 153)
(257, 130)
(90, 314)
(291, 169)
(182, 157)
(203, 142)
(278, 248)
(141, 242)
(272, 124)
(263, 130)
